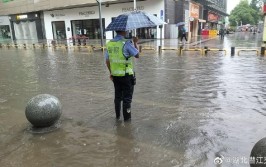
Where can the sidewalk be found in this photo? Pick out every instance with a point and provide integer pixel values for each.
(201, 39)
(175, 43)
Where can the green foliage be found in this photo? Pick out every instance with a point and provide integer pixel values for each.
(5, 1)
(256, 4)
(246, 13)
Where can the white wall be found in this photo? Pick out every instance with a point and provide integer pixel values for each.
(264, 29)
(4, 20)
(107, 12)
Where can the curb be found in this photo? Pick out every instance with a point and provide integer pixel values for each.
(198, 42)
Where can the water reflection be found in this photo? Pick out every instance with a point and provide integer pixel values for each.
(124, 152)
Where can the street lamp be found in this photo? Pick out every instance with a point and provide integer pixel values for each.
(100, 18)
(135, 8)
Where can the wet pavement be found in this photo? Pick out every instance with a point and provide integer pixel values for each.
(187, 110)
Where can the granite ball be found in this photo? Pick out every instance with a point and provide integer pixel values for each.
(258, 151)
(43, 110)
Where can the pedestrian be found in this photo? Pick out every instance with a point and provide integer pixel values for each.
(221, 33)
(183, 33)
(118, 56)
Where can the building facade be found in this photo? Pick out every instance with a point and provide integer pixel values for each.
(79, 19)
(215, 13)
(200, 15)
(84, 22)
(47, 19)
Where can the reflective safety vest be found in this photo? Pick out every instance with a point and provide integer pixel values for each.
(120, 65)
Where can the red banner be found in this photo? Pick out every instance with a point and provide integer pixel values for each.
(264, 8)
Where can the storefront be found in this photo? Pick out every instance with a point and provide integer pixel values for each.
(5, 29)
(27, 27)
(194, 16)
(82, 24)
(212, 21)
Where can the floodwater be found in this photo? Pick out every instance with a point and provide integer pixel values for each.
(187, 110)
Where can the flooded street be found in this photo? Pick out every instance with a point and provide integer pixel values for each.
(186, 111)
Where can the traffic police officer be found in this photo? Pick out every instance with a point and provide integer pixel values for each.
(119, 62)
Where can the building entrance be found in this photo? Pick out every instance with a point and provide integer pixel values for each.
(59, 30)
(5, 32)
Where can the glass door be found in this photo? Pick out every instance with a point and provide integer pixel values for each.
(5, 32)
(59, 30)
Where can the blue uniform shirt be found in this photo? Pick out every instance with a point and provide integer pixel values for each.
(129, 49)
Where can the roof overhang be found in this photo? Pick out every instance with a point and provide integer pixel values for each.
(212, 8)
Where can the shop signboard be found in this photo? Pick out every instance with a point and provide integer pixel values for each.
(194, 10)
(213, 17)
(22, 17)
(130, 9)
(86, 13)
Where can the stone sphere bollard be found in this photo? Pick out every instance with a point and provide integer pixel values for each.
(258, 153)
(43, 110)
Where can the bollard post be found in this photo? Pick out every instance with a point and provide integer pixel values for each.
(205, 50)
(33, 45)
(180, 50)
(160, 49)
(24, 46)
(262, 51)
(16, 45)
(53, 43)
(140, 48)
(43, 46)
(1, 45)
(232, 51)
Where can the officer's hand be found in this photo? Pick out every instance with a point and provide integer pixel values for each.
(135, 39)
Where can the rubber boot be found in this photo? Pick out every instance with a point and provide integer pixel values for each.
(126, 111)
(117, 108)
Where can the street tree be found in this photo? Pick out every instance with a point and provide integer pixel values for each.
(256, 5)
(243, 13)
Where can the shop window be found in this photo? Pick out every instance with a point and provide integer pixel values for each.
(59, 30)
(147, 33)
(87, 29)
(5, 32)
(25, 30)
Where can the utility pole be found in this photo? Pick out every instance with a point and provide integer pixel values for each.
(100, 19)
(135, 8)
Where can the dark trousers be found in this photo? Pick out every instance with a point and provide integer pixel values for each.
(183, 36)
(123, 93)
(222, 36)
